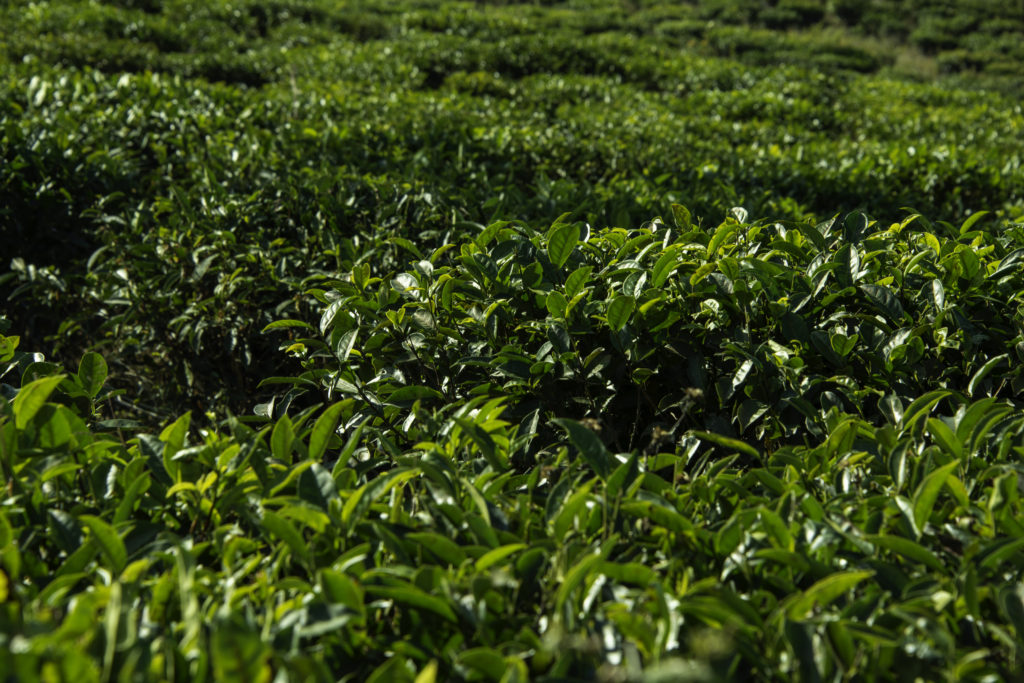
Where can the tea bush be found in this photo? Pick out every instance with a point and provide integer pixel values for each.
(560, 454)
(427, 340)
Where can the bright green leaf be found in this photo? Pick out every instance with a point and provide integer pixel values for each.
(562, 242)
(108, 540)
(32, 397)
(619, 310)
(824, 592)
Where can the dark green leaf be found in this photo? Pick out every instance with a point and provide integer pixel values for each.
(284, 530)
(909, 549)
(729, 444)
(589, 446)
(884, 300)
(824, 592)
(317, 487)
(494, 455)
(444, 548)
(486, 661)
(408, 394)
(928, 492)
(984, 371)
(340, 588)
(854, 226)
(848, 271)
(415, 599)
(921, 407)
(360, 501)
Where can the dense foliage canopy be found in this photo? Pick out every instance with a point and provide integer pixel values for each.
(427, 340)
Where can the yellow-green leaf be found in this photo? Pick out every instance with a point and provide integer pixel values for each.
(824, 592)
(108, 540)
(31, 398)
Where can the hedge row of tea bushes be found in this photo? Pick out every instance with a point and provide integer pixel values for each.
(170, 218)
(340, 340)
(238, 41)
(666, 453)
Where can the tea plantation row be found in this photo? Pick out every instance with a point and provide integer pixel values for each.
(343, 340)
(752, 450)
(118, 188)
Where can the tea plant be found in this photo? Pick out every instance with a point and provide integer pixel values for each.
(301, 378)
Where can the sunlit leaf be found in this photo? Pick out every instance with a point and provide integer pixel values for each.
(825, 591)
(31, 398)
(619, 310)
(108, 540)
(562, 242)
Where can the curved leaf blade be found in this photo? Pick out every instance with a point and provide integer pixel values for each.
(323, 430)
(884, 300)
(728, 443)
(92, 373)
(619, 310)
(32, 397)
(825, 592)
(561, 244)
(984, 371)
(108, 540)
(493, 557)
(412, 597)
(589, 446)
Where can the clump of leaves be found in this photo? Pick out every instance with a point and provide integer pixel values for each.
(474, 503)
(141, 140)
(680, 451)
(744, 329)
(793, 430)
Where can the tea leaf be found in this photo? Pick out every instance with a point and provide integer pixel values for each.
(92, 373)
(619, 310)
(32, 397)
(561, 243)
(825, 591)
(589, 445)
(108, 540)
